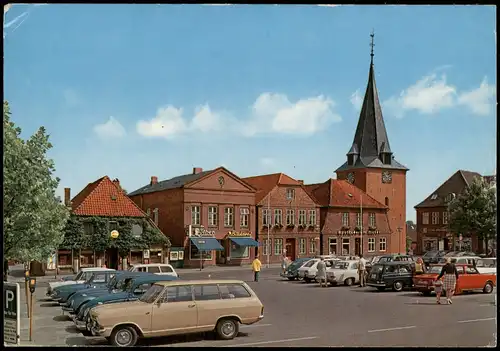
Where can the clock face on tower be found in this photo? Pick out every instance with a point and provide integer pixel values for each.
(386, 177)
(350, 178)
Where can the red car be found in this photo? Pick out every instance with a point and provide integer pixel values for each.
(469, 280)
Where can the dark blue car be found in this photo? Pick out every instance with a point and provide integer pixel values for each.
(133, 291)
(98, 279)
(115, 284)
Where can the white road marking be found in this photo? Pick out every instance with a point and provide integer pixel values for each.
(390, 329)
(477, 320)
(255, 325)
(271, 342)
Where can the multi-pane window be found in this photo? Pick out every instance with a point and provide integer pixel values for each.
(345, 219)
(228, 217)
(266, 247)
(195, 215)
(212, 216)
(371, 220)
(332, 246)
(278, 247)
(266, 217)
(445, 217)
(425, 218)
(155, 216)
(312, 246)
(302, 217)
(290, 217)
(435, 217)
(244, 216)
(382, 244)
(312, 217)
(113, 225)
(371, 244)
(359, 224)
(278, 220)
(302, 246)
(290, 194)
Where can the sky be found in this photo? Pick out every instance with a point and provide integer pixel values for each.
(134, 91)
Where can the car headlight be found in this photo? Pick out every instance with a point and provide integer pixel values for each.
(84, 294)
(99, 303)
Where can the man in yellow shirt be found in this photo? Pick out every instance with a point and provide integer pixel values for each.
(256, 264)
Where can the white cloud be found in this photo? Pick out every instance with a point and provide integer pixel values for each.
(111, 129)
(271, 113)
(479, 100)
(356, 99)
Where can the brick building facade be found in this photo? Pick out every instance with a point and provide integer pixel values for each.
(211, 214)
(351, 221)
(287, 218)
(372, 167)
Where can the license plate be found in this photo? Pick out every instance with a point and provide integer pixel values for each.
(374, 276)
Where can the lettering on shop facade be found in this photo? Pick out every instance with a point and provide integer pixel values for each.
(355, 232)
(200, 232)
(239, 234)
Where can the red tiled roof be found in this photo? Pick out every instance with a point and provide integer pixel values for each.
(340, 193)
(265, 183)
(104, 198)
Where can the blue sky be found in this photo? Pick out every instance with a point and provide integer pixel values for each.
(132, 91)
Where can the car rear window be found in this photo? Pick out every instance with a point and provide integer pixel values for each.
(231, 291)
(166, 269)
(153, 269)
(206, 292)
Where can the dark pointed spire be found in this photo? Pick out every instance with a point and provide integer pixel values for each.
(371, 144)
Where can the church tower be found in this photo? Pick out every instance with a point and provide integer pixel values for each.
(372, 167)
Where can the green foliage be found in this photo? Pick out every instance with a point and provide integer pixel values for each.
(33, 217)
(408, 243)
(95, 233)
(474, 211)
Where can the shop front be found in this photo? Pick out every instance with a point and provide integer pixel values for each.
(351, 242)
(201, 246)
(238, 248)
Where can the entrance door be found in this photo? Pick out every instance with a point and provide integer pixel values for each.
(111, 258)
(357, 246)
(290, 248)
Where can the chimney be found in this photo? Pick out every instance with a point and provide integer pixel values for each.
(67, 196)
(116, 182)
(301, 182)
(154, 180)
(197, 170)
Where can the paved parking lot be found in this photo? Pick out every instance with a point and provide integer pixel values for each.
(299, 314)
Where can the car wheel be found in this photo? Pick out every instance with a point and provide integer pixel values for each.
(123, 336)
(426, 293)
(307, 280)
(349, 281)
(488, 288)
(380, 288)
(291, 278)
(397, 286)
(227, 329)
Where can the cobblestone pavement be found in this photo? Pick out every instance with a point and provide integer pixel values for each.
(299, 314)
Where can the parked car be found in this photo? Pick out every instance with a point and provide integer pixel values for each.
(487, 265)
(198, 306)
(83, 275)
(309, 270)
(117, 283)
(469, 280)
(98, 279)
(132, 291)
(395, 257)
(155, 268)
(292, 271)
(471, 260)
(343, 272)
(432, 257)
(395, 274)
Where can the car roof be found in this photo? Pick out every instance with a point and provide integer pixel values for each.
(395, 262)
(97, 269)
(153, 278)
(200, 282)
(150, 264)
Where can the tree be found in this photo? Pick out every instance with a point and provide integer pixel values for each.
(33, 218)
(474, 211)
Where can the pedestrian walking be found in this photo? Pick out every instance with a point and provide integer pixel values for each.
(256, 264)
(419, 266)
(284, 261)
(450, 274)
(438, 289)
(321, 274)
(362, 270)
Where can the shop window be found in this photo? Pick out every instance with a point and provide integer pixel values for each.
(332, 246)
(194, 253)
(135, 257)
(87, 258)
(346, 246)
(64, 258)
(237, 251)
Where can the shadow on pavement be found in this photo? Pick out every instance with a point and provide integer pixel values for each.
(50, 304)
(44, 299)
(61, 318)
(83, 341)
(422, 303)
(72, 329)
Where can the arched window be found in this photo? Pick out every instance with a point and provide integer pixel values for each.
(386, 201)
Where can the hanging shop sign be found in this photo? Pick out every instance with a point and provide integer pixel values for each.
(234, 234)
(115, 234)
(145, 254)
(199, 232)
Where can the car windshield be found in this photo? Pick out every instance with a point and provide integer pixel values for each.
(435, 269)
(310, 263)
(340, 265)
(79, 275)
(430, 254)
(385, 259)
(89, 279)
(377, 268)
(152, 293)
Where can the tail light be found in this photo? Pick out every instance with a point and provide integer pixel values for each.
(262, 311)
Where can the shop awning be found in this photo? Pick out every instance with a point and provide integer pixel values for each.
(206, 244)
(245, 242)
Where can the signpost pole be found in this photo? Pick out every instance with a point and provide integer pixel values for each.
(268, 220)
(31, 317)
(26, 290)
(12, 313)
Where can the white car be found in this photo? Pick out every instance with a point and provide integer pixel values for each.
(343, 272)
(155, 268)
(309, 270)
(487, 265)
(83, 275)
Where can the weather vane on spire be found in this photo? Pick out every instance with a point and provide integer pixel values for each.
(372, 35)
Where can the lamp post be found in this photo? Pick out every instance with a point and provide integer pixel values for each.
(361, 226)
(268, 221)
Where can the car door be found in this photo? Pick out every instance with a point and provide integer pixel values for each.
(352, 271)
(390, 274)
(208, 302)
(461, 282)
(471, 279)
(174, 312)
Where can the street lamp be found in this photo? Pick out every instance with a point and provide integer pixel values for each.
(399, 238)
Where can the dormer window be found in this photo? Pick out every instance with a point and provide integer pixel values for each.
(290, 194)
(434, 196)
